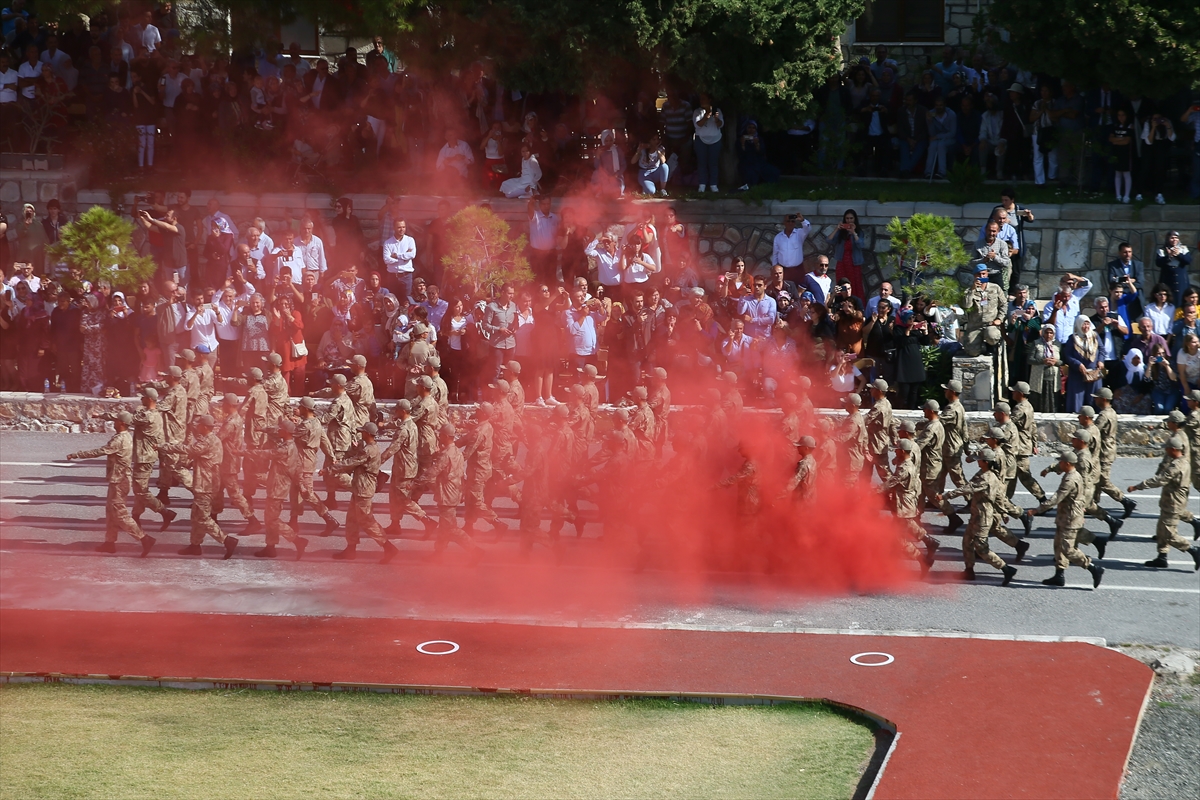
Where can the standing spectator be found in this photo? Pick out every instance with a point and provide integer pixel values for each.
(548, 308)
(1070, 119)
(1161, 311)
(120, 343)
(1120, 148)
(1063, 310)
(608, 257)
(779, 285)
(399, 250)
(970, 125)
(737, 349)
(1164, 391)
(1081, 355)
(1016, 131)
(753, 165)
(311, 248)
(1173, 261)
(1158, 137)
(912, 134)
(146, 341)
(1129, 273)
(1112, 332)
(993, 254)
(1188, 363)
(1043, 115)
(544, 225)
(1044, 377)
(991, 136)
(1183, 327)
(677, 125)
(876, 121)
(67, 338)
(818, 281)
(708, 122)
(228, 334)
(1191, 118)
(1024, 329)
(608, 166)
(758, 311)
(582, 320)
(885, 293)
(255, 326)
(350, 243)
(286, 329)
(1018, 218)
(943, 131)
(847, 246)
(911, 335)
(500, 325)
(92, 327)
(788, 248)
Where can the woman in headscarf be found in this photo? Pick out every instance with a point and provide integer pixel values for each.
(1081, 356)
(92, 327)
(1134, 396)
(33, 328)
(120, 344)
(1044, 371)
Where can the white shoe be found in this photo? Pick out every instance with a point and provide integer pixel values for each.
(553, 401)
(1158, 198)
(703, 188)
(1125, 199)
(540, 403)
(1137, 199)
(745, 187)
(663, 193)
(714, 188)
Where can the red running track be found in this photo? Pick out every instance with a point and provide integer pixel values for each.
(977, 718)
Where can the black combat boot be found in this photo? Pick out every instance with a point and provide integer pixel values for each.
(1158, 563)
(253, 526)
(954, 523)
(1130, 504)
(1196, 529)
(1022, 548)
(1114, 525)
(390, 551)
(1101, 543)
(148, 542)
(968, 574)
(231, 544)
(331, 525)
(1059, 579)
(349, 554)
(1009, 573)
(266, 552)
(106, 547)
(1097, 574)
(1194, 552)
(931, 548)
(300, 544)
(1027, 521)
(191, 550)
(168, 517)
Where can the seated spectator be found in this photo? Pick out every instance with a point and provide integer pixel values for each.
(1188, 364)
(1164, 390)
(1160, 309)
(753, 166)
(608, 166)
(526, 184)
(818, 282)
(455, 158)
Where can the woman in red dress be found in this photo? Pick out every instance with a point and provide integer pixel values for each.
(847, 249)
(287, 333)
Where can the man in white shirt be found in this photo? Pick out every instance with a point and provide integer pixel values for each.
(581, 321)
(23, 272)
(57, 59)
(788, 249)
(399, 250)
(202, 320)
(259, 243)
(758, 311)
(29, 72)
(885, 293)
(170, 86)
(311, 248)
(1063, 310)
(8, 81)
(608, 259)
(455, 157)
(543, 239)
(288, 256)
(435, 305)
(818, 281)
(149, 35)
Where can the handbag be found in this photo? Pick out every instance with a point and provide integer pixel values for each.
(299, 349)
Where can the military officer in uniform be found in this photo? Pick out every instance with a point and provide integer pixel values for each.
(204, 449)
(1071, 503)
(985, 305)
(118, 470)
(362, 462)
(1174, 476)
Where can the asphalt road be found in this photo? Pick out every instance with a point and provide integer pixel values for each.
(52, 515)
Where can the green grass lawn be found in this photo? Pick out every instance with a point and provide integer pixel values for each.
(66, 741)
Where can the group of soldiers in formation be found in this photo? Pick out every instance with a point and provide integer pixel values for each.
(261, 441)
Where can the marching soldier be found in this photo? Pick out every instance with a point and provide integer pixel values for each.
(1191, 438)
(904, 487)
(232, 446)
(147, 438)
(118, 470)
(590, 373)
(931, 439)
(190, 380)
(583, 428)
(255, 410)
(1087, 421)
(1071, 504)
(660, 404)
(908, 430)
(641, 423)
(361, 391)
(477, 451)
(362, 462)
(560, 477)
(440, 392)
(310, 439)
(340, 426)
(802, 484)
(511, 372)
(854, 437)
(1174, 475)
(285, 462)
(954, 423)
(983, 489)
(404, 491)
(205, 377)
(428, 419)
(447, 476)
(1106, 426)
(204, 449)
(275, 385)
(174, 408)
(535, 477)
(792, 426)
(1006, 470)
(731, 398)
(1088, 473)
(1026, 424)
(504, 438)
(880, 431)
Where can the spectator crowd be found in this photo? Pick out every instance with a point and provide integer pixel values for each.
(123, 76)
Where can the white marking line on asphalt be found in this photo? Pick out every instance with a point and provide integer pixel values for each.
(1104, 587)
(1137, 496)
(32, 481)
(14, 500)
(46, 464)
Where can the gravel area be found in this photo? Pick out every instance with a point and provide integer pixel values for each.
(1164, 763)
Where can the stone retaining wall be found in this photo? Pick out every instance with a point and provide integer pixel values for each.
(58, 413)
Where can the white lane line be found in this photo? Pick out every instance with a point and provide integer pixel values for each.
(30, 481)
(14, 500)
(1134, 496)
(1104, 587)
(63, 463)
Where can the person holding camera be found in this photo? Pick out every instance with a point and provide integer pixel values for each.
(708, 122)
(1112, 332)
(1158, 136)
(652, 166)
(993, 254)
(1128, 272)
(788, 248)
(1174, 261)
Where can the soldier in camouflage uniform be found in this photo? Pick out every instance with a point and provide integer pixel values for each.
(147, 438)
(954, 424)
(232, 447)
(255, 411)
(447, 475)
(340, 429)
(983, 490)
(1025, 422)
(363, 462)
(1174, 476)
(1071, 503)
(118, 470)
(361, 391)
(1106, 426)
(660, 405)
(854, 437)
(404, 491)
(881, 431)
(478, 445)
(207, 379)
(904, 487)
(204, 449)
(172, 469)
(285, 461)
(310, 439)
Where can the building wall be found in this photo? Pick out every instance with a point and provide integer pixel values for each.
(958, 19)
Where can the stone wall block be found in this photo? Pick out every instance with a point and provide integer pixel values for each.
(1072, 250)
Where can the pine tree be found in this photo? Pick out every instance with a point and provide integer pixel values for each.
(928, 254)
(482, 256)
(100, 244)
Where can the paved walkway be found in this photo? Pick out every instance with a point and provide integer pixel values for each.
(975, 718)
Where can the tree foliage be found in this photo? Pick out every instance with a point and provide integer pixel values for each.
(1148, 48)
(927, 250)
(481, 253)
(99, 244)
